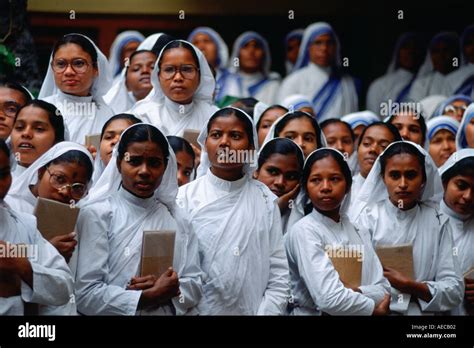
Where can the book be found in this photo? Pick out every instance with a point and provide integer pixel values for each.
(191, 135)
(93, 139)
(157, 252)
(55, 218)
(348, 264)
(399, 257)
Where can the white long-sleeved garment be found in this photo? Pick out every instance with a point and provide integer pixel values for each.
(315, 283)
(111, 232)
(52, 279)
(460, 81)
(433, 260)
(238, 225)
(429, 84)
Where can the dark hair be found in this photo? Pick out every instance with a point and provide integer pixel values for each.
(55, 117)
(228, 111)
(75, 156)
(4, 148)
(271, 107)
(79, 40)
(246, 104)
(161, 42)
(16, 87)
(463, 167)
(391, 128)
(299, 114)
(141, 133)
(129, 117)
(180, 44)
(318, 155)
(418, 115)
(179, 144)
(330, 121)
(281, 146)
(399, 148)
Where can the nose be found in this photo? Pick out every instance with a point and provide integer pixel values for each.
(65, 193)
(404, 133)
(279, 180)
(178, 76)
(27, 133)
(468, 195)
(299, 141)
(143, 170)
(339, 146)
(224, 141)
(325, 186)
(69, 70)
(403, 183)
(114, 141)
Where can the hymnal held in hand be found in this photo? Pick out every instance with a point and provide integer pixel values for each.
(94, 140)
(157, 252)
(348, 264)
(55, 218)
(398, 257)
(191, 135)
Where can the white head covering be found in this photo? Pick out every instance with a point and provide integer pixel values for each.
(271, 133)
(347, 198)
(455, 158)
(444, 36)
(311, 33)
(206, 86)
(374, 190)
(430, 105)
(101, 83)
(149, 42)
(441, 122)
(222, 50)
(447, 101)
(29, 177)
(294, 34)
(249, 168)
(111, 179)
(461, 142)
(295, 102)
(258, 111)
(241, 41)
(119, 43)
(364, 118)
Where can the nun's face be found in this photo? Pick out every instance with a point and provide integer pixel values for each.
(266, 121)
(139, 74)
(280, 173)
(185, 167)
(409, 128)
(442, 145)
(442, 55)
(142, 168)
(32, 135)
(322, 51)
(227, 135)
(470, 133)
(456, 109)
(409, 55)
(469, 48)
(292, 50)
(5, 175)
(251, 57)
(375, 140)
(181, 86)
(207, 47)
(302, 132)
(340, 138)
(127, 51)
(326, 185)
(459, 194)
(357, 132)
(403, 178)
(70, 81)
(11, 101)
(111, 137)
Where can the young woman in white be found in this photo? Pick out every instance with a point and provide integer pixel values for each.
(237, 222)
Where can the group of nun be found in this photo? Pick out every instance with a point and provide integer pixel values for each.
(251, 235)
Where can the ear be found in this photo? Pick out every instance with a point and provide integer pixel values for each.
(119, 162)
(255, 174)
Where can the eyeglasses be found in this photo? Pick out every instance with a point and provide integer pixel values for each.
(10, 108)
(453, 108)
(78, 65)
(60, 182)
(188, 72)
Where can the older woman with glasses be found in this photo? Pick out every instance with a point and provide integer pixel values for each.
(12, 98)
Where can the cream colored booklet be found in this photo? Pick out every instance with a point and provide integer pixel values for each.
(55, 218)
(157, 252)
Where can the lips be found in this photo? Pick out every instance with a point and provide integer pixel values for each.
(403, 194)
(142, 185)
(370, 159)
(70, 82)
(278, 193)
(25, 146)
(145, 79)
(177, 89)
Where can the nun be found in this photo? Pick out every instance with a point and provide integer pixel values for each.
(77, 78)
(465, 135)
(183, 87)
(122, 48)
(318, 75)
(401, 208)
(237, 222)
(40, 277)
(442, 137)
(12, 97)
(251, 63)
(395, 85)
(457, 175)
(454, 106)
(359, 121)
(439, 62)
(292, 46)
(136, 193)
